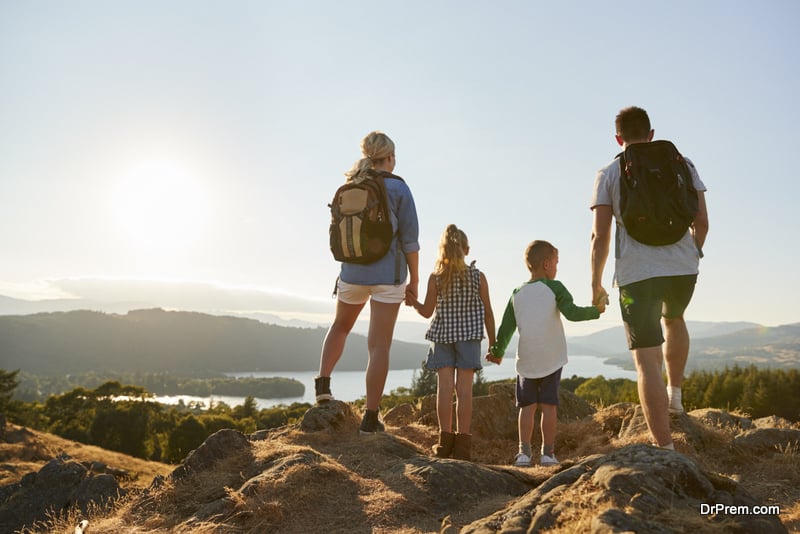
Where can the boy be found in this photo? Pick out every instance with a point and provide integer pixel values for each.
(535, 309)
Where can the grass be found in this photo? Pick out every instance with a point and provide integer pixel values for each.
(342, 485)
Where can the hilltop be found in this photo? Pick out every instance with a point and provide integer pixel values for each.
(319, 475)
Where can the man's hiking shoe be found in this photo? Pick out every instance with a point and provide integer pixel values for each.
(675, 410)
(322, 387)
(548, 460)
(522, 460)
(370, 423)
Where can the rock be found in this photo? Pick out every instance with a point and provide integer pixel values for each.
(426, 408)
(447, 484)
(402, 414)
(612, 417)
(721, 419)
(261, 435)
(332, 416)
(274, 470)
(216, 447)
(629, 490)
(764, 440)
(633, 423)
(100, 489)
(495, 415)
(61, 484)
(773, 421)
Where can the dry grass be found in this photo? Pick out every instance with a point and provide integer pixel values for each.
(343, 485)
(31, 449)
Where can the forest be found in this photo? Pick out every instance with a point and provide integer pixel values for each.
(123, 418)
(33, 387)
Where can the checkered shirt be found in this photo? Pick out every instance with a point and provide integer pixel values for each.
(459, 313)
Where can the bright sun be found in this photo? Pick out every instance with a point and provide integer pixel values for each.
(160, 205)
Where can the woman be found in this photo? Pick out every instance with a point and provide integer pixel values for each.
(382, 282)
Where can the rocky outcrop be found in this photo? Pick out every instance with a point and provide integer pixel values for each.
(721, 419)
(61, 484)
(636, 489)
(495, 415)
(767, 440)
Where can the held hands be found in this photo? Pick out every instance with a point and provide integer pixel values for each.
(600, 298)
(411, 295)
(493, 359)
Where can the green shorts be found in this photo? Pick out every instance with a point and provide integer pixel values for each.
(644, 303)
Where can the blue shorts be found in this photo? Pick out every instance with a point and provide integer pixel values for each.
(461, 355)
(538, 390)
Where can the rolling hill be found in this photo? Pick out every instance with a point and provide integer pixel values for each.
(712, 348)
(157, 340)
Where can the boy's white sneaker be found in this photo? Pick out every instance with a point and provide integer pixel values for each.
(548, 460)
(522, 460)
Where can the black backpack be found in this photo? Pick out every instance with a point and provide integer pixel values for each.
(658, 201)
(361, 225)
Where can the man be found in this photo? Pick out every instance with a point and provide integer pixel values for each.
(653, 281)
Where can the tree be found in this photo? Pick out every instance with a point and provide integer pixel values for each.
(425, 383)
(599, 390)
(248, 409)
(187, 436)
(8, 383)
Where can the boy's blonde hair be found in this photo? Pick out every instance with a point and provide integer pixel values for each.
(375, 147)
(450, 263)
(537, 253)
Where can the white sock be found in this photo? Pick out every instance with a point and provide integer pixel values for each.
(670, 447)
(674, 395)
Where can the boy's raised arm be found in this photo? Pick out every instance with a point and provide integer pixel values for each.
(568, 308)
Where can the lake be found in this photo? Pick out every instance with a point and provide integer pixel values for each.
(349, 385)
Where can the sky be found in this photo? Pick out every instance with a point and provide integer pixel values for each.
(172, 152)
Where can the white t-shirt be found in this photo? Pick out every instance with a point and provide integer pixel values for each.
(636, 261)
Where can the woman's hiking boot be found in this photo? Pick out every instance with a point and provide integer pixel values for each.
(462, 447)
(445, 446)
(370, 423)
(322, 387)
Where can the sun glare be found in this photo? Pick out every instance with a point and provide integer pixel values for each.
(160, 205)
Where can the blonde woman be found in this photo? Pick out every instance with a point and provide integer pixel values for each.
(459, 295)
(385, 283)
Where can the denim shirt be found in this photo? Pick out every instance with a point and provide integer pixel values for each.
(406, 239)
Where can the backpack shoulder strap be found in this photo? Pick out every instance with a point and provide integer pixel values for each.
(622, 162)
(386, 174)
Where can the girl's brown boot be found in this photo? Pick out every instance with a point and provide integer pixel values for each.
(445, 446)
(462, 448)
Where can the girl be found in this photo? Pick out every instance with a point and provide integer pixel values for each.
(459, 294)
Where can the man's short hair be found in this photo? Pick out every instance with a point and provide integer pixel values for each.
(537, 253)
(633, 124)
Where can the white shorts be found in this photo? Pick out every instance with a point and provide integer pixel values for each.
(358, 294)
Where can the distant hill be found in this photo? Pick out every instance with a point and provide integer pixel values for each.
(612, 340)
(775, 347)
(157, 340)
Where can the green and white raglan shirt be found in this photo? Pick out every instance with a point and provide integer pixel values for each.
(535, 309)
